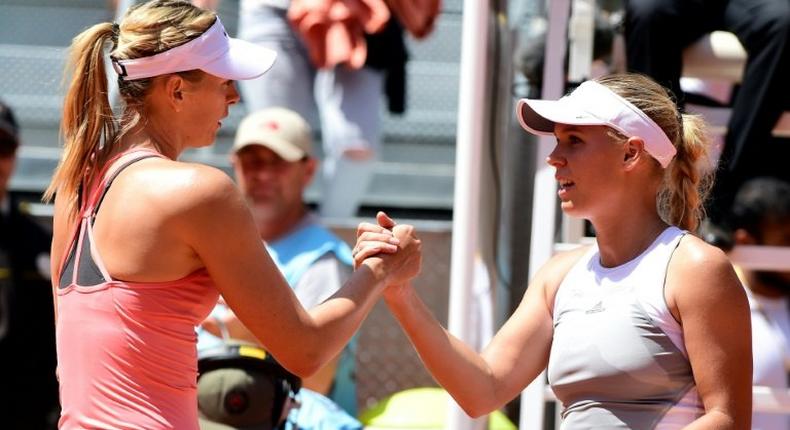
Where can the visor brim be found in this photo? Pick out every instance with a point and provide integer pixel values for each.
(540, 116)
(243, 60)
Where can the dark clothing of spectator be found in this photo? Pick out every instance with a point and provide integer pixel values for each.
(656, 33)
(28, 386)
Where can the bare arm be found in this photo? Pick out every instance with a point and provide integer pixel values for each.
(483, 382)
(705, 295)
(322, 279)
(320, 381)
(219, 228)
(61, 229)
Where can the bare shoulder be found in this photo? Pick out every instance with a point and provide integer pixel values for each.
(694, 258)
(551, 274)
(181, 186)
(700, 275)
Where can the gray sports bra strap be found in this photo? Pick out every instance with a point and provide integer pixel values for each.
(112, 178)
(88, 272)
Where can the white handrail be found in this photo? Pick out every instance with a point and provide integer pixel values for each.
(761, 257)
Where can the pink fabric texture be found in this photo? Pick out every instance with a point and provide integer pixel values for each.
(334, 30)
(126, 350)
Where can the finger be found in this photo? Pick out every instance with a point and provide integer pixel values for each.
(381, 246)
(403, 231)
(368, 249)
(384, 220)
(368, 227)
(378, 237)
(366, 253)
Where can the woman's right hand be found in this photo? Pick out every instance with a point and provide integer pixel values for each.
(395, 247)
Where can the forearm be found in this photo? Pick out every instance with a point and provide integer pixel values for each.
(453, 364)
(716, 419)
(321, 381)
(338, 318)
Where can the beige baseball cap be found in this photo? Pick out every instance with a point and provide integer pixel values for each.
(282, 130)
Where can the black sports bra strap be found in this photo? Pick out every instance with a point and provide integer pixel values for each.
(112, 178)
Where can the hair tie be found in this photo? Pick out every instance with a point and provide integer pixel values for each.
(116, 30)
(680, 122)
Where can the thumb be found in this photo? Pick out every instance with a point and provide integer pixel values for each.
(384, 220)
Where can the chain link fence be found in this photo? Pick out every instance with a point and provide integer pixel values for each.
(386, 361)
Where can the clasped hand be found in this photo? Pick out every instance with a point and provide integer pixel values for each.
(395, 246)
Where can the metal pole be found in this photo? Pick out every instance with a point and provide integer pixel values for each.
(115, 96)
(470, 134)
(545, 199)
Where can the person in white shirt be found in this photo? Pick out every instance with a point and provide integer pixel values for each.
(761, 216)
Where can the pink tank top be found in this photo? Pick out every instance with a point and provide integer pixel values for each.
(126, 350)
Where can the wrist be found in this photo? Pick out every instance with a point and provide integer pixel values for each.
(376, 267)
(397, 295)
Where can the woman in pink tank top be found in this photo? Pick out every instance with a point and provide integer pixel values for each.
(144, 244)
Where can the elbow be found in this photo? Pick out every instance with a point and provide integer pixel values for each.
(302, 364)
(474, 412)
(308, 369)
(474, 407)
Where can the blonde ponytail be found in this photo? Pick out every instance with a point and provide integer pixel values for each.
(688, 177)
(688, 180)
(88, 127)
(87, 116)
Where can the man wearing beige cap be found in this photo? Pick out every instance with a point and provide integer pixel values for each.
(273, 162)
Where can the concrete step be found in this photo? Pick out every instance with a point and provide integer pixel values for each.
(411, 175)
(418, 153)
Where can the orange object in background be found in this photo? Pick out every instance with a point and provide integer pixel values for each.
(334, 30)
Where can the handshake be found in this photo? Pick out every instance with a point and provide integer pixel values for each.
(391, 251)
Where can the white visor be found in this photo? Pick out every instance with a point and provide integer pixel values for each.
(212, 52)
(595, 104)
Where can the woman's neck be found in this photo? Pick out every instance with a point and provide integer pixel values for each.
(149, 136)
(622, 238)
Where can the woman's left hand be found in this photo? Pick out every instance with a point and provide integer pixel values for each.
(373, 239)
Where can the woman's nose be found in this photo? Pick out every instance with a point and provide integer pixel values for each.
(233, 94)
(555, 159)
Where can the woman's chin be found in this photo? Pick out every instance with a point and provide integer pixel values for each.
(567, 206)
(203, 143)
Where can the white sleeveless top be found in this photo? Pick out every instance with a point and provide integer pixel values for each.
(617, 359)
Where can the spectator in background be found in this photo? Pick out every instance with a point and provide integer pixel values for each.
(656, 33)
(340, 63)
(761, 216)
(274, 163)
(28, 387)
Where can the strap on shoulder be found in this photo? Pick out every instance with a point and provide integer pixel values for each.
(109, 180)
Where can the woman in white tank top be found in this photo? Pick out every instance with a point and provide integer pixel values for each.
(648, 328)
